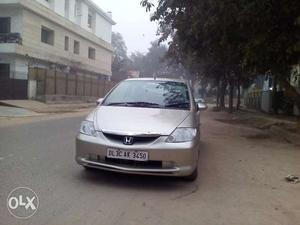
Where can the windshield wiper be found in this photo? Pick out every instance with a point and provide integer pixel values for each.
(133, 104)
(179, 105)
(145, 104)
(117, 104)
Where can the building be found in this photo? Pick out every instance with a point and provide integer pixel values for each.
(295, 77)
(295, 82)
(71, 35)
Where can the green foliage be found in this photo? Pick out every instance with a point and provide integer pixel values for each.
(154, 63)
(230, 41)
(151, 63)
(239, 36)
(273, 34)
(120, 61)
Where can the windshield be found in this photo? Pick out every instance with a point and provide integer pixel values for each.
(152, 94)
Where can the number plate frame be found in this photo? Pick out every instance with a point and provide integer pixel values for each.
(135, 155)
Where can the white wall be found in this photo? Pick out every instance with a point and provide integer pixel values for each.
(59, 7)
(16, 18)
(18, 66)
(16, 15)
(72, 10)
(103, 28)
(43, 2)
(5, 59)
(33, 46)
(295, 76)
(48, 4)
(84, 16)
(21, 68)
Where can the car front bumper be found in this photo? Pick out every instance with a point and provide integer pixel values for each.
(165, 159)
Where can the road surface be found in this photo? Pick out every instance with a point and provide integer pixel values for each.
(241, 180)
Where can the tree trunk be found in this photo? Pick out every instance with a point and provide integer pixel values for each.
(218, 95)
(238, 104)
(222, 94)
(275, 100)
(291, 92)
(231, 89)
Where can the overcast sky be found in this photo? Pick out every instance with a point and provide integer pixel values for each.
(132, 22)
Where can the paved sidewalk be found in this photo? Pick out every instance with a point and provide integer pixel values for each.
(283, 127)
(40, 107)
(15, 112)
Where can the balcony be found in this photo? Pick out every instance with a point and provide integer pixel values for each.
(10, 43)
(11, 38)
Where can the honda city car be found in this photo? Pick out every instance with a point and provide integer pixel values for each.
(143, 126)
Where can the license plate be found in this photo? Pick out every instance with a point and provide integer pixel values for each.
(125, 154)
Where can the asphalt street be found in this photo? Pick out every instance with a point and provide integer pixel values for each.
(241, 180)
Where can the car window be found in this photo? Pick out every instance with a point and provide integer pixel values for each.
(163, 94)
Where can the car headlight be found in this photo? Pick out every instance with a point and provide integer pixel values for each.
(182, 135)
(87, 128)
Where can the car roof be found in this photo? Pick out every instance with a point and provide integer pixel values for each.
(158, 79)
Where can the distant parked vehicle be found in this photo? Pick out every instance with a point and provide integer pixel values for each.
(201, 102)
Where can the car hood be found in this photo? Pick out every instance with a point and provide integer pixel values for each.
(138, 121)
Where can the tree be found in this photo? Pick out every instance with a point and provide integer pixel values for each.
(230, 40)
(203, 34)
(151, 63)
(155, 63)
(120, 60)
(272, 39)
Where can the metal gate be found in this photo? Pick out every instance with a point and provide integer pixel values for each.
(11, 88)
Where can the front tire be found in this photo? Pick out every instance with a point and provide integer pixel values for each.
(193, 176)
(88, 168)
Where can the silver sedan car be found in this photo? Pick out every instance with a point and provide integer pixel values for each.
(143, 126)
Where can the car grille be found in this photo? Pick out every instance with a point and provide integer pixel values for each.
(136, 139)
(135, 164)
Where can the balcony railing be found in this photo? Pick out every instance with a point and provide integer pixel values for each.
(11, 38)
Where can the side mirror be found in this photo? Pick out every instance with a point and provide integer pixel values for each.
(99, 101)
(201, 106)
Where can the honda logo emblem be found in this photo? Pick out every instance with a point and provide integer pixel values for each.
(128, 140)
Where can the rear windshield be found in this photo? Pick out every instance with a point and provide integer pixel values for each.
(152, 94)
